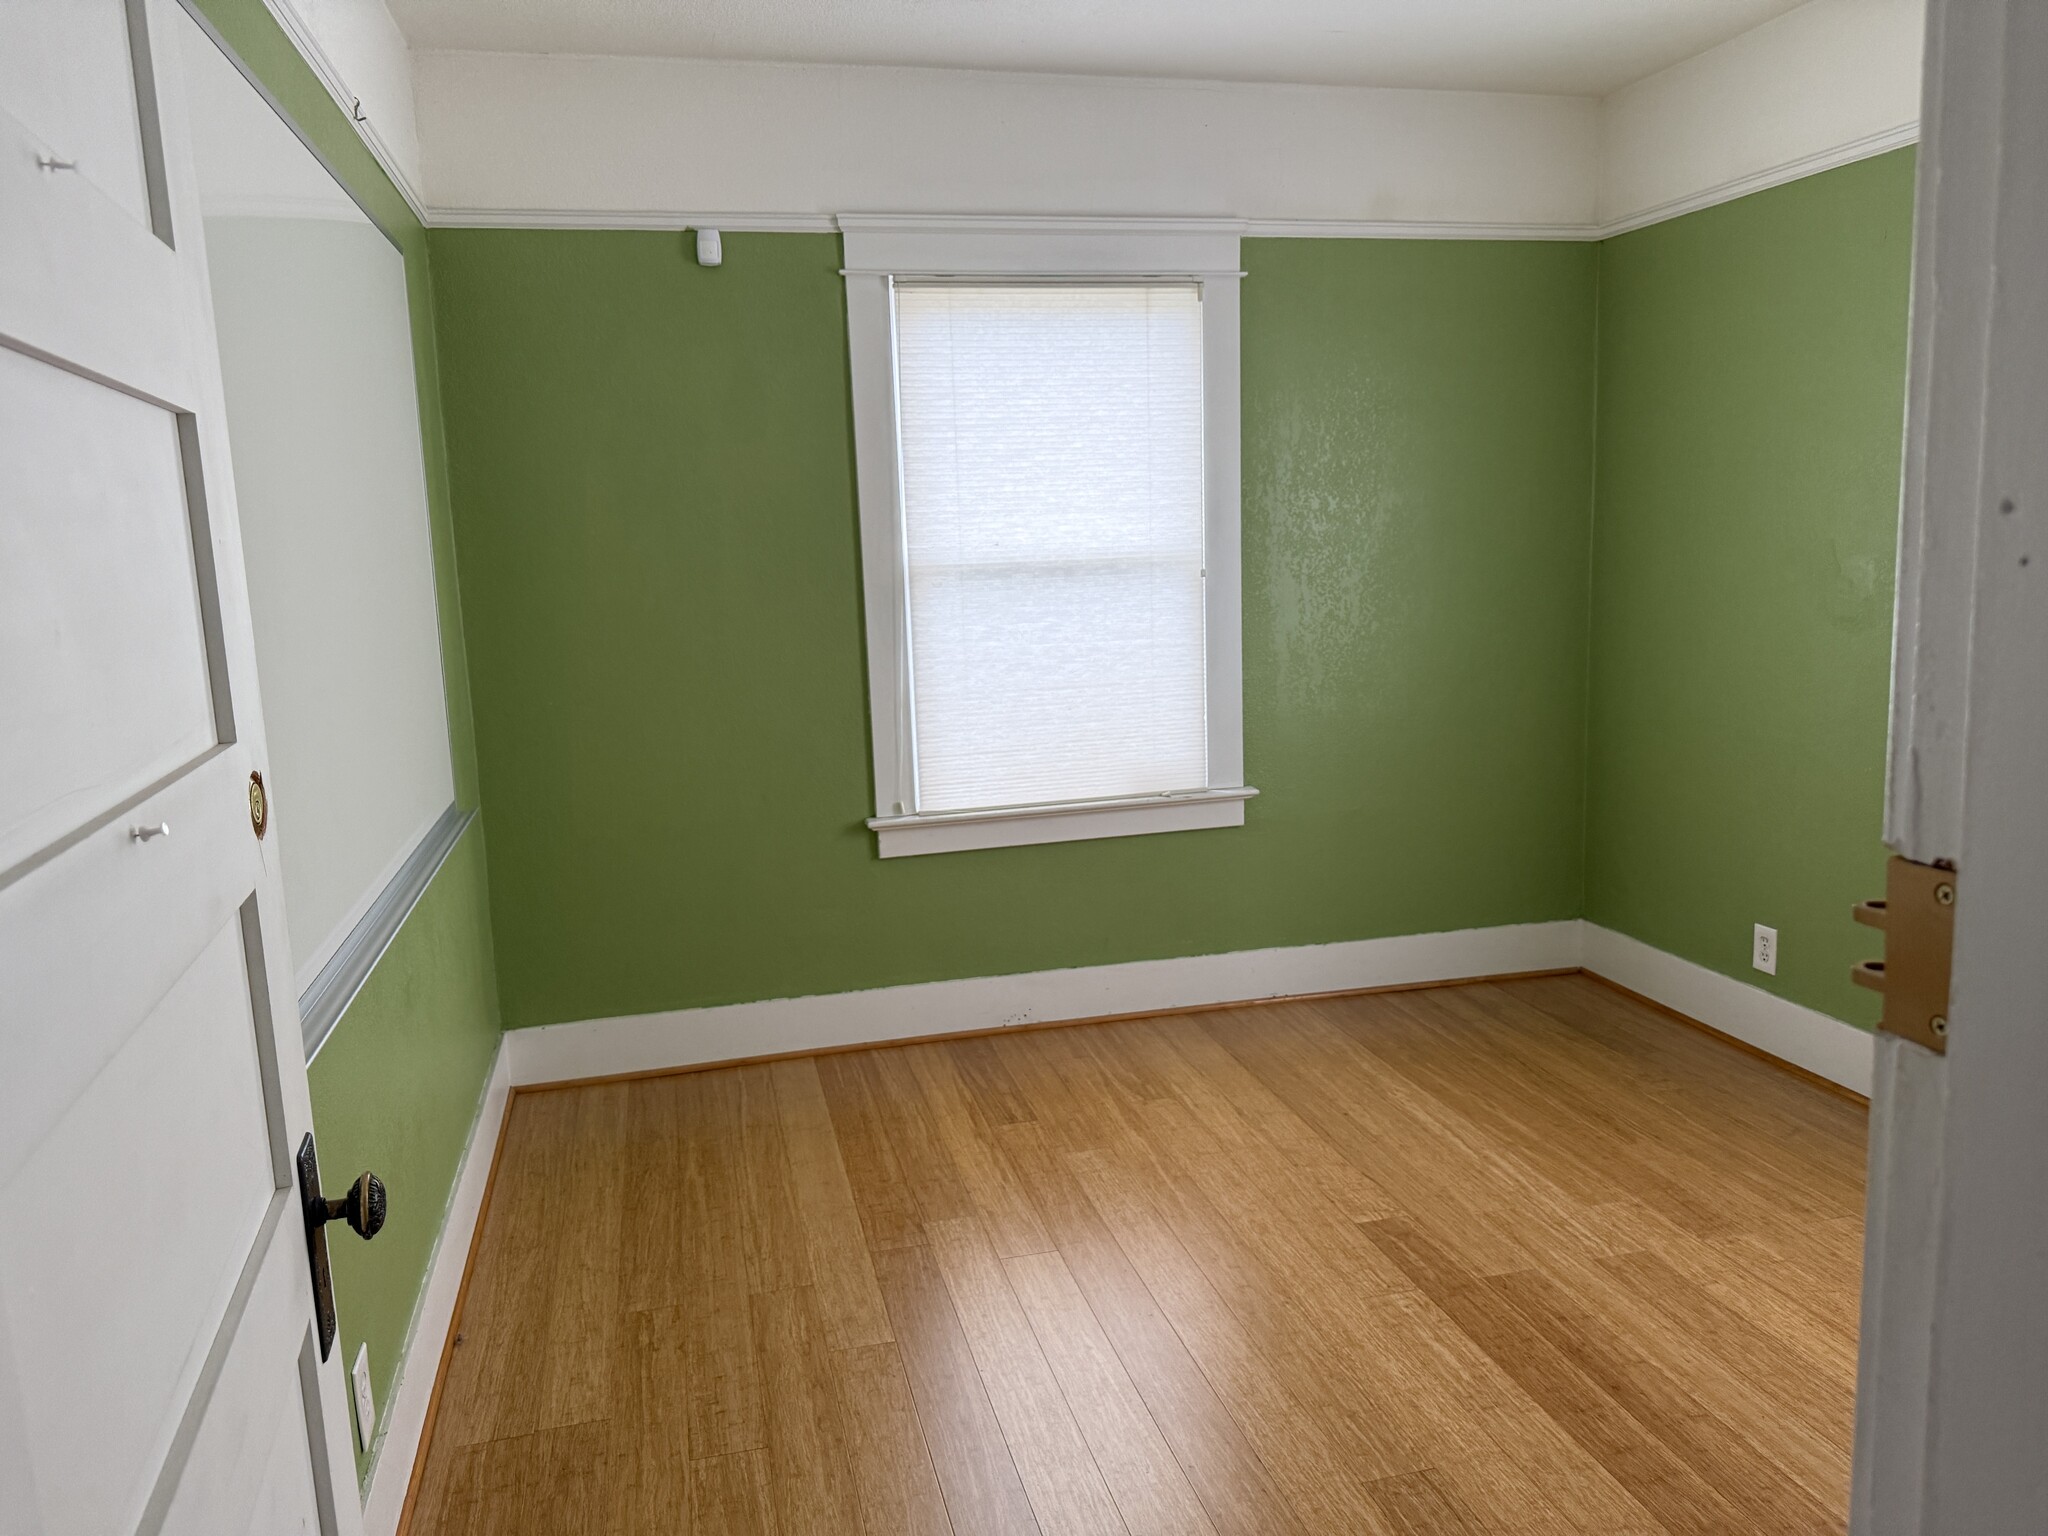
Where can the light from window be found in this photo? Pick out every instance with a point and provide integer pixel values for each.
(1051, 442)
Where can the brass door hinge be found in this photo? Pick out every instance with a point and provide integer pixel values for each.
(1918, 917)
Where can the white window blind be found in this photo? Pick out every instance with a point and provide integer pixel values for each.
(1052, 460)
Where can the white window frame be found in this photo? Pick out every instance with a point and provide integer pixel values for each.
(881, 249)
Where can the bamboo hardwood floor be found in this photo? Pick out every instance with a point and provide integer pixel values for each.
(1525, 1258)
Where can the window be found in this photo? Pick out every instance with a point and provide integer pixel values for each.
(1046, 421)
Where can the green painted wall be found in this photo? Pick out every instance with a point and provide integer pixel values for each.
(396, 1089)
(397, 1086)
(653, 474)
(1752, 388)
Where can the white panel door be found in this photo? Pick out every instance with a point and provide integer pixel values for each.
(160, 1365)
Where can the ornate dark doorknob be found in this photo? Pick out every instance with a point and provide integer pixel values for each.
(362, 1208)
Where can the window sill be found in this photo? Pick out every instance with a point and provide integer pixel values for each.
(1071, 821)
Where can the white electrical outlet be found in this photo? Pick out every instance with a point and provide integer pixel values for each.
(1763, 950)
(366, 1407)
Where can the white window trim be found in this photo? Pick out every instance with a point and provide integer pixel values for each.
(881, 248)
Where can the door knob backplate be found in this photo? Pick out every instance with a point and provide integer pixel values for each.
(362, 1208)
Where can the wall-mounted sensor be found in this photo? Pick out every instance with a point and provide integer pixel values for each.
(709, 252)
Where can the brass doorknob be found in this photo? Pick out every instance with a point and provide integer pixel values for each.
(362, 1207)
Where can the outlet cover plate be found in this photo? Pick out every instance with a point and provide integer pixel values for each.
(1763, 950)
(366, 1406)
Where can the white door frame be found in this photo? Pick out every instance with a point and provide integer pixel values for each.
(1952, 1400)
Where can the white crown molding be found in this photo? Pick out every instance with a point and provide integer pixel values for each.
(1030, 224)
(614, 218)
(1417, 229)
(1795, 169)
(397, 1448)
(1805, 1037)
(957, 244)
(303, 38)
(825, 224)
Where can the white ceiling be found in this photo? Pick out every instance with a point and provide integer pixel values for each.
(1571, 47)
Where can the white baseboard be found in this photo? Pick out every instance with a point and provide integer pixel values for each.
(1826, 1046)
(650, 1042)
(405, 1419)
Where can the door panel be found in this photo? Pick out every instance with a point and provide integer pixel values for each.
(156, 1310)
(97, 936)
(67, 74)
(102, 637)
(65, 246)
(189, 1078)
(254, 1468)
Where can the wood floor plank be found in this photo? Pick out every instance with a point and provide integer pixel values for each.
(484, 1356)
(1420, 1504)
(1698, 1147)
(552, 1482)
(1444, 1181)
(1151, 1491)
(1745, 1372)
(1522, 1259)
(1563, 1472)
(1149, 1044)
(650, 1157)
(1005, 1210)
(778, 1254)
(928, 1170)
(983, 1492)
(1285, 1293)
(1496, 1162)
(1074, 1111)
(1127, 1076)
(730, 1495)
(1827, 1311)
(1240, 1112)
(1700, 1092)
(888, 1206)
(1500, 1497)
(848, 1298)
(982, 1065)
(546, 1345)
(1052, 1457)
(1315, 1471)
(1429, 1042)
(1639, 1459)
(809, 1449)
(1291, 1221)
(1235, 1489)
(650, 1427)
(723, 1382)
(892, 1467)
(1672, 1406)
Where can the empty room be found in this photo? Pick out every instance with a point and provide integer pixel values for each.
(966, 766)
